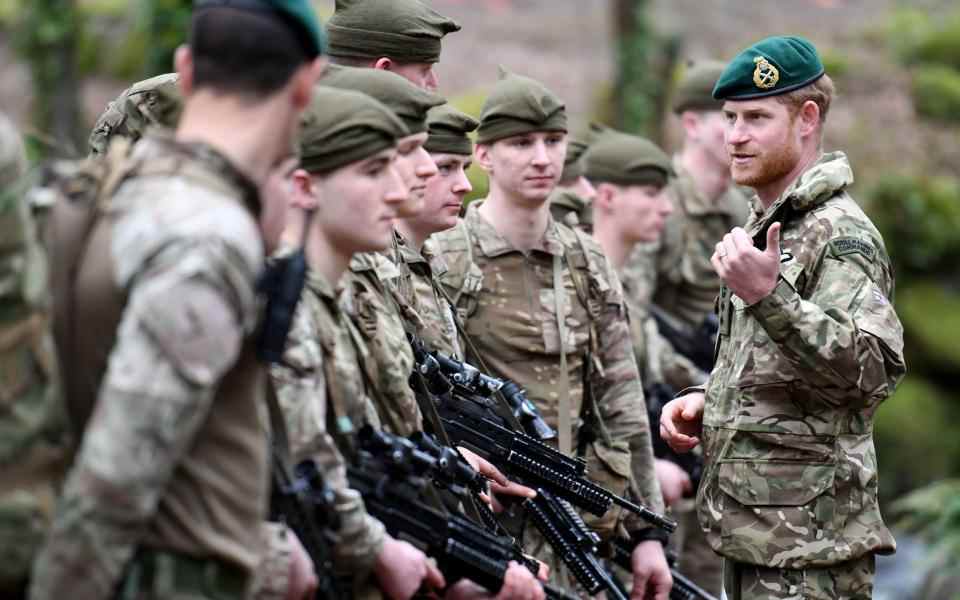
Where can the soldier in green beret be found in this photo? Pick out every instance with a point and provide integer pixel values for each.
(570, 202)
(154, 317)
(809, 347)
(403, 36)
(515, 275)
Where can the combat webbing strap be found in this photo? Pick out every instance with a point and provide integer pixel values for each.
(564, 426)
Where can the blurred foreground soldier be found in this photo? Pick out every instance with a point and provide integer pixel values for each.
(516, 277)
(33, 444)
(346, 194)
(809, 347)
(152, 102)
(403, 36)
(571, 201)
(154, 315)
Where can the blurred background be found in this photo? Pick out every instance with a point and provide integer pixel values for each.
(897, 69)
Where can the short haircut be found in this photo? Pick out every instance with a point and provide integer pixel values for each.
(243, 52)
(349, 61)
(820, 92)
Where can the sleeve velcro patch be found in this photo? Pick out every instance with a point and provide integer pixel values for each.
(850, 245)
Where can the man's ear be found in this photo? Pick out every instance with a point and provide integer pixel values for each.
(303, 191)
(183, 65)
(383, 63)
(809, 117)
(690, 121)
(481, 153)
(605, 199)
(303, 81)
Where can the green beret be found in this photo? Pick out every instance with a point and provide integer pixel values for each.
(298, 14)
(519, 105)
(770, 67)
(403, 30)
(448, 130)
(344, 126)
(409, 102)
(695, 90)
(152, 102)
(624, 159)
(572, 163)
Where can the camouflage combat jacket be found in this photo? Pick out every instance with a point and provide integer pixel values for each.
(321, 390)
(507, 303)
(791, 472)
(367, 297)
(420, 298)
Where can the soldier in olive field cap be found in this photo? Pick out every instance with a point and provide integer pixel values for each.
(33, 440)
(571, 201)
(809, 347)
(515, 274)
(154, 314)
(403, 36)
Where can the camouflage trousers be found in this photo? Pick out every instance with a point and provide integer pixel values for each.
(696, 559)
(851, 580)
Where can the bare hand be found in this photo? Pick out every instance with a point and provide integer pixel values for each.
(681, 421)
(674, 481)
(651, 575)
(401, 570)
(748, 272)
(518, 583)
(499, 484)
(303, 581)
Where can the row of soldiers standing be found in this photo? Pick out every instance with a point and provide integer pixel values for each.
(155, 310)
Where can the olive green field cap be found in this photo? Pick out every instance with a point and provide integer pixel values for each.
(408, 101)
(695, 89)
(519, 105)
(403, 30)
(298, 14)
(343, 126)
(154, 102)
(772, 66)
(573, 163)
(625, 159)
(448, 131)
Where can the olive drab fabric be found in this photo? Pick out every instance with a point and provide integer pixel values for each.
(518, 105)
(33, 431)
(448, 131)
(406, 100)
(791, 471)
(181, 251)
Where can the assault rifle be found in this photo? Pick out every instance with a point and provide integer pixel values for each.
(697, 345)
(572, 541)
(306, 504)
(391, 474)
(467, 420)
(683, 588)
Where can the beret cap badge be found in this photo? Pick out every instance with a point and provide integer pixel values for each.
(765, 76)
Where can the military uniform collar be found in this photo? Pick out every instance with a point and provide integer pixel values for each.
(212, 160)
(404, 251)
(319, 285)
(382, 267)
(694, 202)
(493, 244)
(831, 173)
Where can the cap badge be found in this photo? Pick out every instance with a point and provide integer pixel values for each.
(765, 76)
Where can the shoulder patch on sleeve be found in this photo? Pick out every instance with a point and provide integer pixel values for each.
(851, 245)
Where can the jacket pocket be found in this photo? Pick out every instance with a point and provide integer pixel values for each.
(608, 467)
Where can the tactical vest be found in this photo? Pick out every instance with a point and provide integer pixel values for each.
(87, 310)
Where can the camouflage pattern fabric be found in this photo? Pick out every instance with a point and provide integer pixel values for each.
(154, 470)
(507, 303)
(390, 360)
(320, 386)
(790, 478)
(152, 102)
(420, 298)
(32, 427)
(850, 580)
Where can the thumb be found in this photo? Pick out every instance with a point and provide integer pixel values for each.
(773, 240)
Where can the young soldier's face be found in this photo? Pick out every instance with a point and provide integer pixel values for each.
(422, 75)
(526, 166)
(359, 203)
(445, 193)
(763, 140)
(711, 127)
(643, 210)
(416, 168)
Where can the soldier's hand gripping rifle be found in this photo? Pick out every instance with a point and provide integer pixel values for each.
(468, 421)
(683, 588)
(306, 504)
(390, 474)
